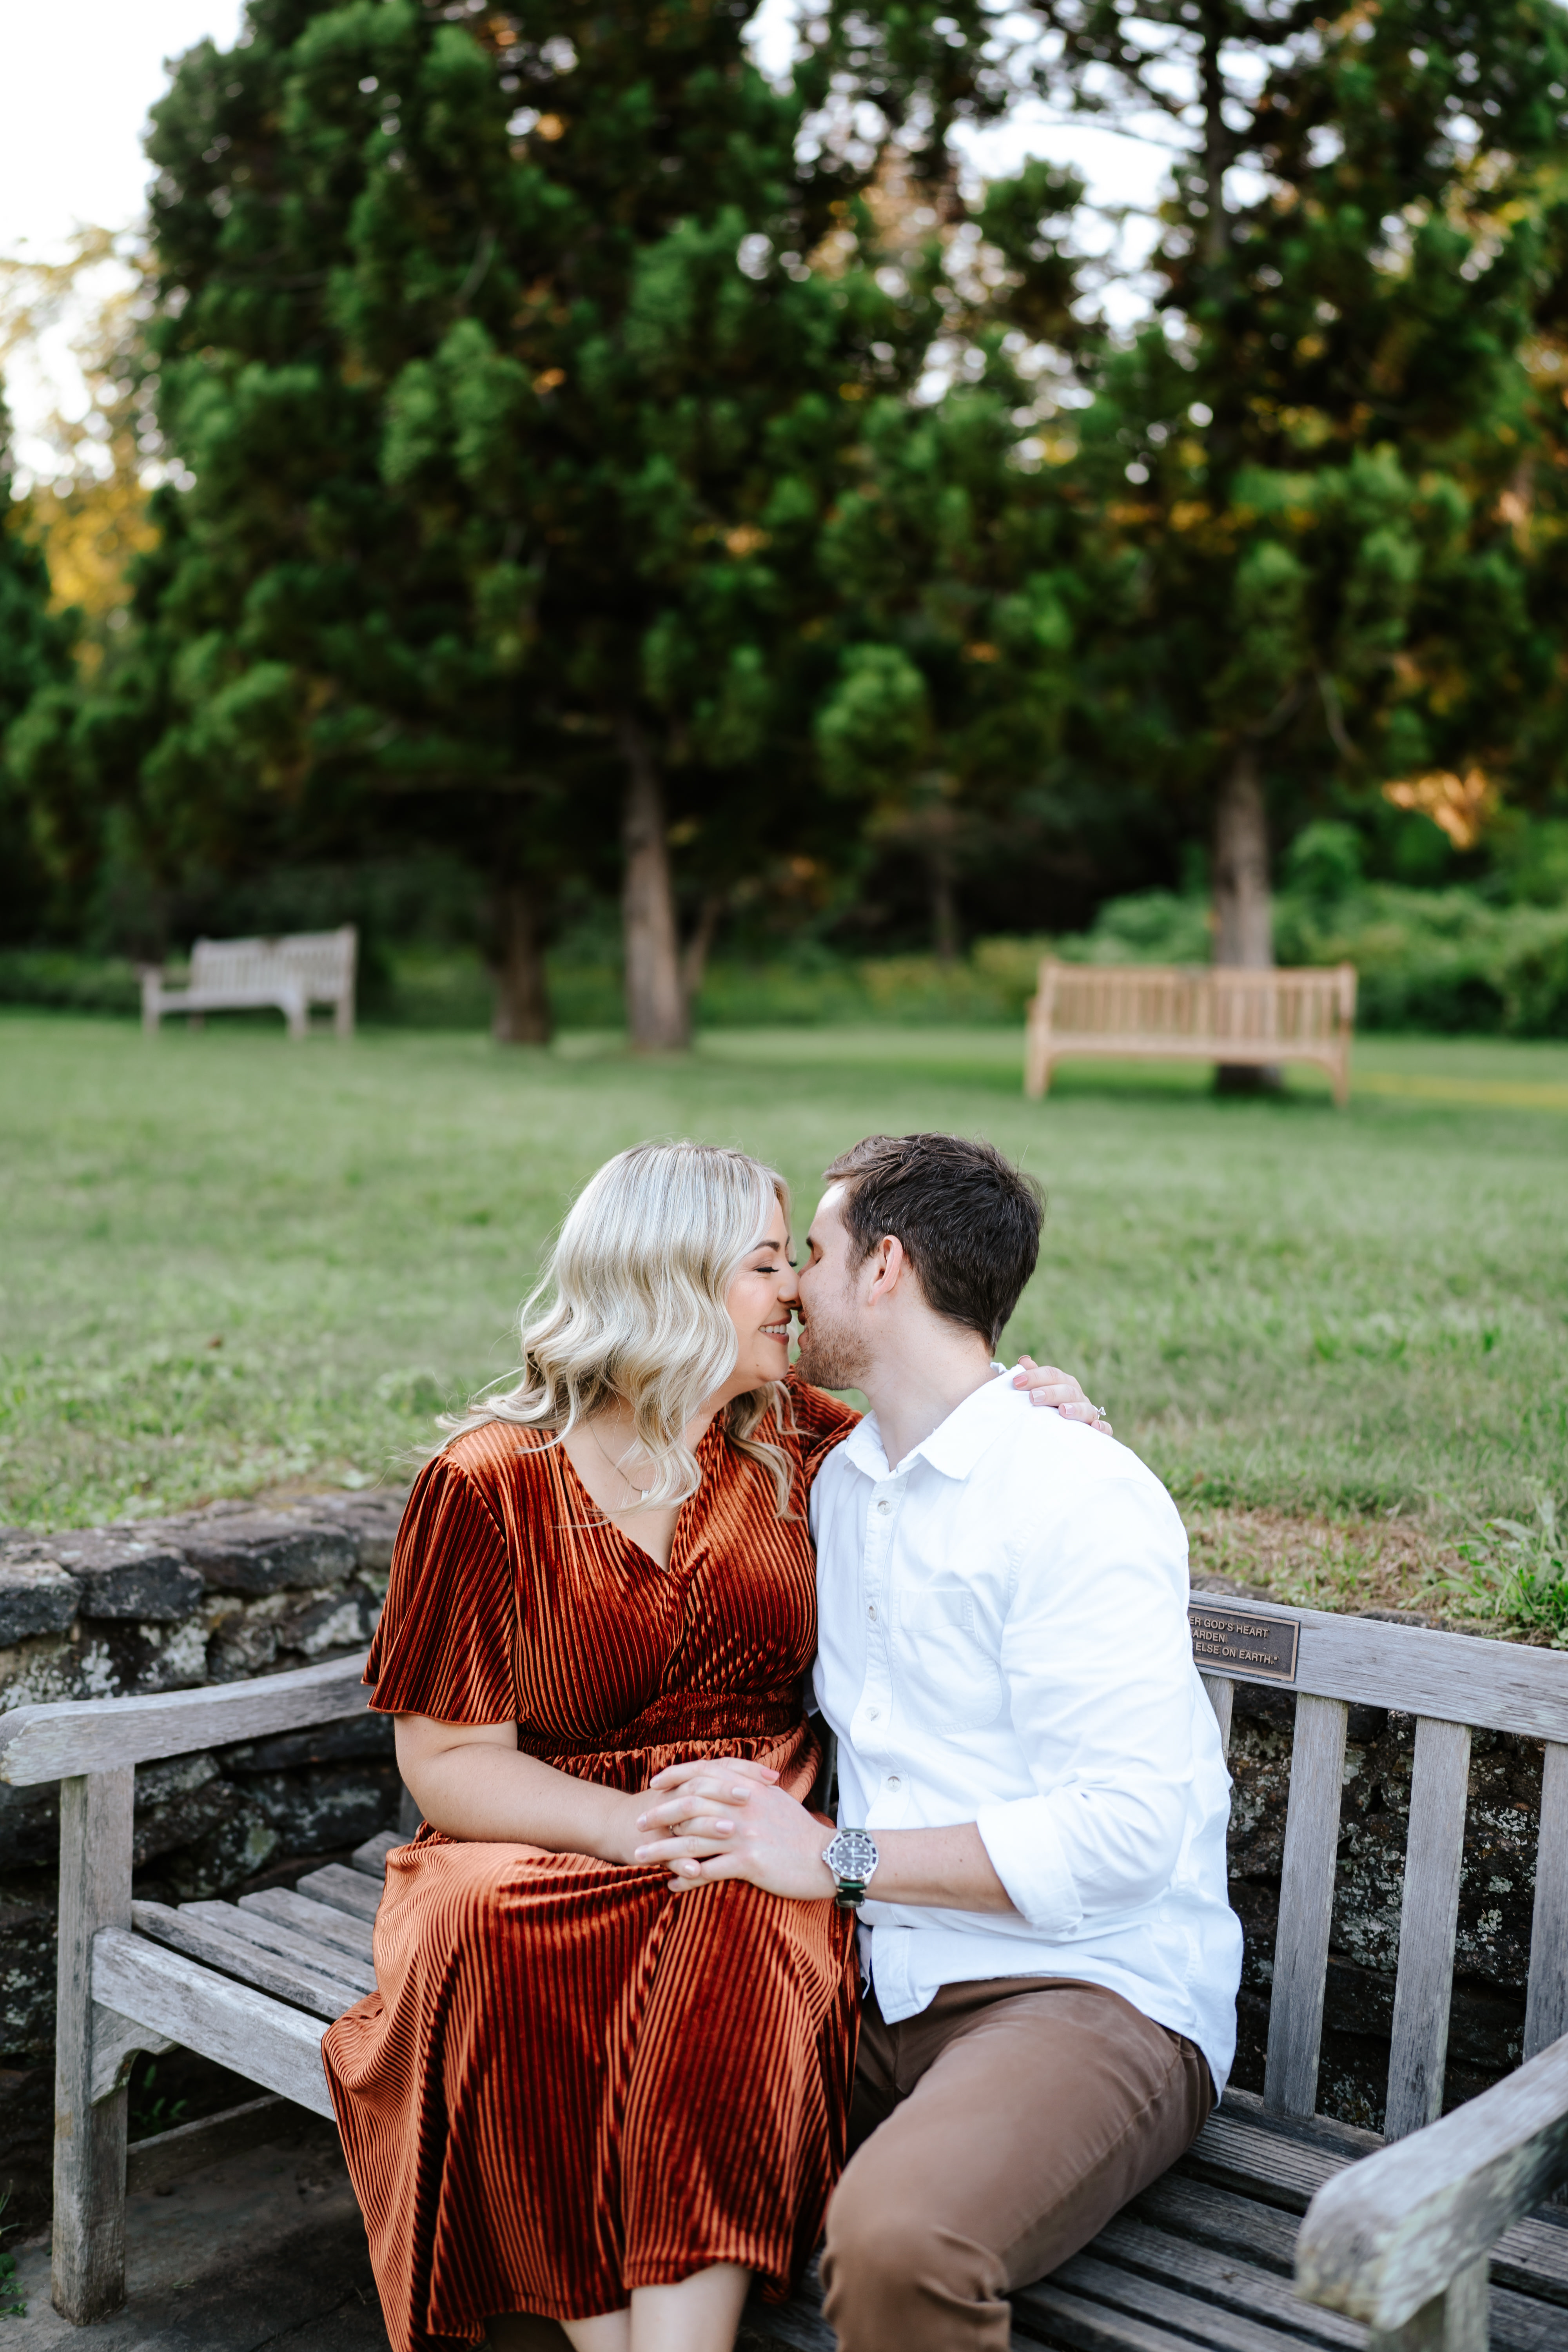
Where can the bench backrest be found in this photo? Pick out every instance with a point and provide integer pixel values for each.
(323, 961)
(1452, 1684)
(1175, 1000)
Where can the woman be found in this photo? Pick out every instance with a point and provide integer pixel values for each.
(572, 2094)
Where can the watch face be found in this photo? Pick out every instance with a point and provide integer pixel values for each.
(852, 1855)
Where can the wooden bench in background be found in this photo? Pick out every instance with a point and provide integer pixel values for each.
(1170, 1012)
(1399, 2235)
(291, 973)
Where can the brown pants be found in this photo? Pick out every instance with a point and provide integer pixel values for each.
(994, 2135)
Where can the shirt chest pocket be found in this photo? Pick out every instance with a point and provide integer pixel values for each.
(947, 1659)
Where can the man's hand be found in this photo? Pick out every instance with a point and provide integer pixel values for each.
(725, 1819)
(1048, 1386)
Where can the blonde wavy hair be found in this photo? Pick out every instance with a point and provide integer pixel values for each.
(630, 1308)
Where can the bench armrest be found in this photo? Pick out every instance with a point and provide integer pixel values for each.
(65, 1737)
(1389, 2234)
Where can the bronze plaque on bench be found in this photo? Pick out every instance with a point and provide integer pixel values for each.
(1228, 1638)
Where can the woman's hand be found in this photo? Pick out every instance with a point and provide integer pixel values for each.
(725, 1819)
(1048, 1386)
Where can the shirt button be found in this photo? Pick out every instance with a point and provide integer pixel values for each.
(894, 1782)
(884, 1507)
(872, 1713)
(872, 1609)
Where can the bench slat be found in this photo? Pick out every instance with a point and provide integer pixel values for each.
(1167, 2306)
(342, 1890)
(1458, 1677)
(1306, 1905)
(1253, 2161)
(1214, 2217)
(278, 2047)
(371, 1857)
(1230, 2281)
(1546, 2001)
(1434, 1854)
(317, 1920)
(323, 1996)
(272, 1935)
(63, 1736)
(1048, 2313)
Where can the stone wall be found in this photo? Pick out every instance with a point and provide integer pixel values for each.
(210, 1597)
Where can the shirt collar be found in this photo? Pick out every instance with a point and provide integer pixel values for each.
(954, 1445)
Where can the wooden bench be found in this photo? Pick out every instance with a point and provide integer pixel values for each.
(1399, 2235)
(1165, 1012)
(242, 975)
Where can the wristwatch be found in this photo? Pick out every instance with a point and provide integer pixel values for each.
(851, 1857)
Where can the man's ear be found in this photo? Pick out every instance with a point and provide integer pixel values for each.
(888, 1265)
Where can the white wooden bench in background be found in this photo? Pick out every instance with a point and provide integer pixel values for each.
(291, 973)
(1165, 1012)
(1398, 2235)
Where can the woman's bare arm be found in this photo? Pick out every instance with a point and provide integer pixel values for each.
(472, 1780)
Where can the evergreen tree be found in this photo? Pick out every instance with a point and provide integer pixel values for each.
(959, 565)
(35, 659)
(505, 407)
(1317, 473)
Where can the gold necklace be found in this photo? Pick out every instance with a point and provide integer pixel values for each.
(610, 1464)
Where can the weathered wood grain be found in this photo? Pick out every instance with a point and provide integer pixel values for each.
(344, 1890)
(65, 1737)
(1264, 2161)
(371, 1857)
(288, 1979)
(1434, 1852)
(1221, 1698)
(1382, 2239)
(1546, 2001)
(89, 2247)
(1306, 1903)
(316, 1919)
(116, 2042)
(1229, 2281)
(1222, 2219)
(1455, 2322)
(252, 1928)
(1455, 1676)
(1048, 2313)
(1167, 2306)
(278, 2047)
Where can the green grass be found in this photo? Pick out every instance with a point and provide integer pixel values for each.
(227, 1263)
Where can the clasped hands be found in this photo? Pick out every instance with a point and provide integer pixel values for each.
(726, 1817)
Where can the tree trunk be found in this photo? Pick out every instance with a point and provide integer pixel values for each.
(694, 954)
(1244, 916)
(943, 904)
(522, 1015)
(1218, 143)
(656, 1001)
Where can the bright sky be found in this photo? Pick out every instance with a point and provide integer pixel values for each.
(76, 82)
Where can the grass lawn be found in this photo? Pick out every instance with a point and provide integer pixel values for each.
(230, 1264)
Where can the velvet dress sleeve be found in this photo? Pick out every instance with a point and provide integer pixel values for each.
(447, 1643)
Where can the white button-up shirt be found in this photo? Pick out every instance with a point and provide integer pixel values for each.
(1002, 1639)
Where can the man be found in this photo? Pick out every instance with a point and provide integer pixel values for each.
(1028, 1754)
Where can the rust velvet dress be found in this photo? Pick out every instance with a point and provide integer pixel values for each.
(571, 2083)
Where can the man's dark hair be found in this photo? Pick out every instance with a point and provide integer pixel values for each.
(969, 1221)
